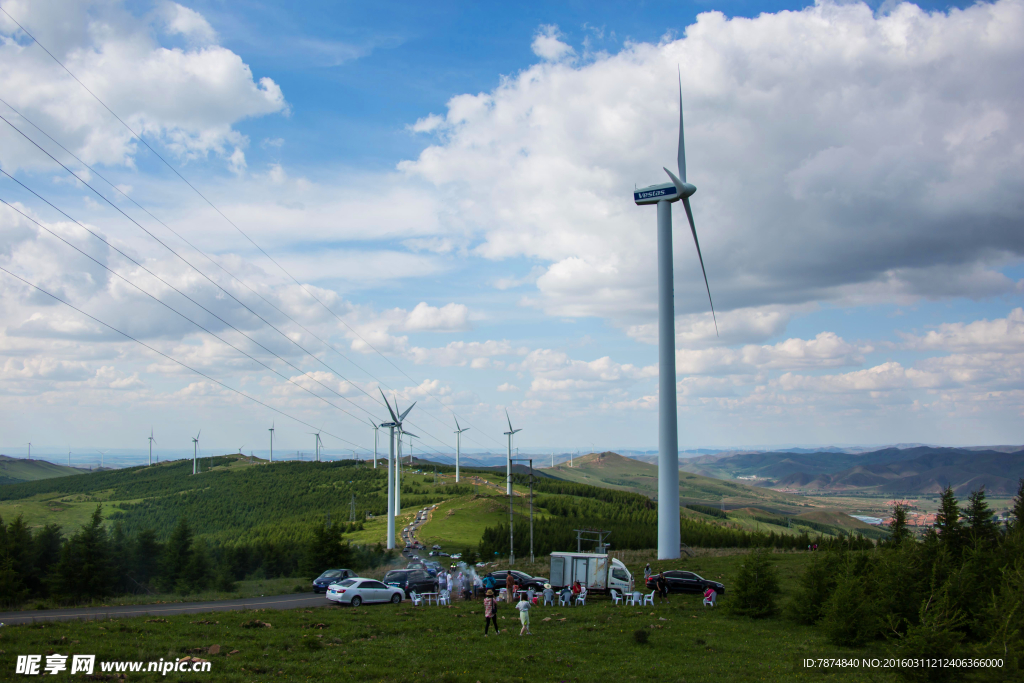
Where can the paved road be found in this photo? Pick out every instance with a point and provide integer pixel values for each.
(90, 613)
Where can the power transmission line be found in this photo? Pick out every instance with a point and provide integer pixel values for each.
(138, 137)
(168, 357)
(193, 267)
(165, 304)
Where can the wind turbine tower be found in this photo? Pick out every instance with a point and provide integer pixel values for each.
(195, 452)
(396, 423)
(271, 442)
(151, 440)
(376, 433)
(668, 436)
(458, 446)
(508, 460)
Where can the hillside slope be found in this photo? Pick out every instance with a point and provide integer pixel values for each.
(17, 470)
(616, 471)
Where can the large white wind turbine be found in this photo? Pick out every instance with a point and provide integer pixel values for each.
(396, 423)
(195, 452)
(668, 438)
(458, 446)
(318, 443)
(151, 442)
(398, 458)
(508, 461)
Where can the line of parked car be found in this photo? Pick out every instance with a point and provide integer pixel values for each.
(343, 586)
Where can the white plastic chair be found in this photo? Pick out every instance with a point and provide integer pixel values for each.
(581, 599)
(615, 596)
(634, 599)
(445, 598)
(710, 601)
(563, 601)
(649, 599)
(416, 598)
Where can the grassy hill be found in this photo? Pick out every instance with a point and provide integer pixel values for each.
(231, 502)
(616, 471)
(18, 470)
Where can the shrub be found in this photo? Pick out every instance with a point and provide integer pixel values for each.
(757, 585)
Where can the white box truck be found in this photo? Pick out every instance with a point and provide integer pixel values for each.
(596, 571)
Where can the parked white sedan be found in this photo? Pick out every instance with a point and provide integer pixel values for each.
(355, 592)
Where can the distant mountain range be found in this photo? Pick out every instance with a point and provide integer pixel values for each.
(907, 470)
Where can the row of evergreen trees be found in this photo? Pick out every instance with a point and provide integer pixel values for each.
(958, 591)
(96, 562)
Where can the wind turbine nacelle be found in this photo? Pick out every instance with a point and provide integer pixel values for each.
(666, 192)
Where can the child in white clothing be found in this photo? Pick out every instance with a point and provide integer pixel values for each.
(524, 616)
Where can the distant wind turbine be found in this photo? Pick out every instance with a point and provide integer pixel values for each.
(195, 452)
(458, 446)
(271, 442)
(668, 436)
(508, 460)
(376, 433)
(151, 442)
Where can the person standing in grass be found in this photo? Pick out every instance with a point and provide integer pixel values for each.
(524, 616)
(510, 586)
(490, 613)
(662, 585)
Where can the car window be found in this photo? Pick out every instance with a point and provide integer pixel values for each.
(347, 582)
(372, 584)
(675, 574)
(620, 574)
(331, 574)
(687, 575)
(396, 576)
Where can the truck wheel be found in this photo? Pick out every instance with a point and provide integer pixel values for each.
(356, 601)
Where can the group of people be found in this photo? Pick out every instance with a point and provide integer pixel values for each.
(458, 583)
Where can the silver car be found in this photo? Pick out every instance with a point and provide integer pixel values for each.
(355, 592)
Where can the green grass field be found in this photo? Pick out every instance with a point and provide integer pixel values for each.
(400, 643)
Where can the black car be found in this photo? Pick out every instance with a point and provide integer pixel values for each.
(330, 576)
(522, 578)
(410, 580)
(685, 582)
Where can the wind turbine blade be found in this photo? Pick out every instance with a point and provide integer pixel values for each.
(457, 427)
(200, 432)
(693, 229)
(394, 418)
(410, 434)
(509, 421)
(516, 431)
(682, 148)
(402, 416)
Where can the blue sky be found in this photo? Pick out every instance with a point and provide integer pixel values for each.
(455, 180)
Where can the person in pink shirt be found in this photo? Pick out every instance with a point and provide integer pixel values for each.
(490, 613)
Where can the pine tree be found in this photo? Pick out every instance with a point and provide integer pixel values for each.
(979, 520)
(757, 585)
(176, 556)
(898, 529)
(46, 545)
(948, 523)
(1017, 509)
(145, 557)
